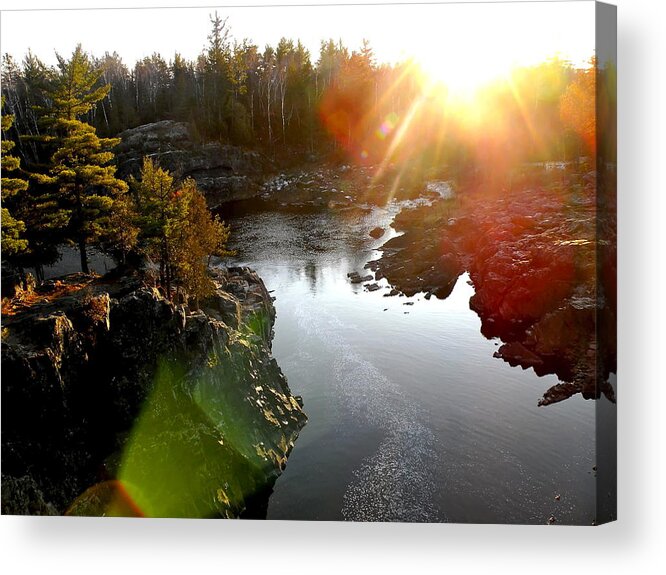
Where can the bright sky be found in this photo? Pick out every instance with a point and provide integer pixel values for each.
(449, 36)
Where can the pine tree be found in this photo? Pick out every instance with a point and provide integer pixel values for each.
(217, 78)
(122, 233)
(13, 242)
(80, 174)
(156, 205)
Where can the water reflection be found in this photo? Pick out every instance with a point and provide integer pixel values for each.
(410, 416)
(540, 285)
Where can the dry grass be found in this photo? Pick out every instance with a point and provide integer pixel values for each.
(25, 299)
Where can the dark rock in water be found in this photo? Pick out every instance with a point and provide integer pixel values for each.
(356, 278)
(377, 233)
(223, 172)
(118, 401)
(372, 287)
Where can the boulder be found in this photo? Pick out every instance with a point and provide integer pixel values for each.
(377, 233)
(356, 278)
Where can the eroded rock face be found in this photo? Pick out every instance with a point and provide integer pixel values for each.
(117, 401)
(222, 172)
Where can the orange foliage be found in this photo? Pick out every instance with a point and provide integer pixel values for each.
(25, 299)
(396, 115)
(578, 108)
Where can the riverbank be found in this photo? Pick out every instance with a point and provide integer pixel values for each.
(531, 254)
(117, 401)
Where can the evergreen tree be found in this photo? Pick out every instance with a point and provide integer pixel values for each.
(116, 112)
(183, 93)
(153, 82)
(80, 179)
(155, 197)
(217, 78)
(122, 233)
(13, 242)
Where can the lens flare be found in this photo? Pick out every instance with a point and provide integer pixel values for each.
(387, 126)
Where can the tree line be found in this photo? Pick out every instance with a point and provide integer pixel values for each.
(233, 92)
(60, 125)
(281, 97)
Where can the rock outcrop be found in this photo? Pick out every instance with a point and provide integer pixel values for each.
(116, 401)
(534, 257)
(222, 172)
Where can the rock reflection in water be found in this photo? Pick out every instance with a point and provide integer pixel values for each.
(532, 256)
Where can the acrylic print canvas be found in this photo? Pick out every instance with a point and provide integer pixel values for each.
(333, 263)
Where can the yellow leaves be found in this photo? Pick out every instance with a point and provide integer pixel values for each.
(261, 451)
(271, 454)
(283, 445)
(95, 202)
(194, 236)
(74, 93)
(212, 361)
(154, 180)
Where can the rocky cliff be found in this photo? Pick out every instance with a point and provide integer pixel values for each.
(222, 172)
(116, 401)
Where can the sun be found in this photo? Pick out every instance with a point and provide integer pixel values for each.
(462, 77)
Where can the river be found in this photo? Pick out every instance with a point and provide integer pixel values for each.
(410, 416)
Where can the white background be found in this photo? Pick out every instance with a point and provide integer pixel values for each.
(633, 544)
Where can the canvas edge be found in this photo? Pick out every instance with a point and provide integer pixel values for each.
(606, 311)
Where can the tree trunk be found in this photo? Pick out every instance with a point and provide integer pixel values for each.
(268, 114)
(39, 274)
(168, 281)
(83, 254)
(282, 95)
(252, 111)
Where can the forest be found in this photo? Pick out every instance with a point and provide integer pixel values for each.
(60, 125)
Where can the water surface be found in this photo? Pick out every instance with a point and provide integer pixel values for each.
(410, 416)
